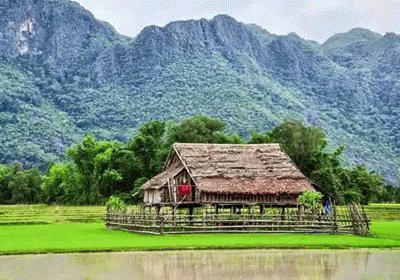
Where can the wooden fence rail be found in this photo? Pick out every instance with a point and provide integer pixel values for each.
(350, 219)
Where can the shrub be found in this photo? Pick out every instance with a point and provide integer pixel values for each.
(115, 203)
(311, 201)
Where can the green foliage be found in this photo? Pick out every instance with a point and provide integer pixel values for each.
(352, 196)
(98, 169)
(115, 203)
(92, 159)
(198, 129)
(19, 186)
(150, 147)
(311, 201)
(365, 182)
(389, 194)
(307, 147)
(62, 185)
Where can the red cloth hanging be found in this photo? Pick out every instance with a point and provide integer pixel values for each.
(184, 190)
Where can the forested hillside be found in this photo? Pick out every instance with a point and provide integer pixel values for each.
(63, 74)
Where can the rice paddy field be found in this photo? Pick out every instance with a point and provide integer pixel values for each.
(387, 212)
(44, 229)
(53, 214)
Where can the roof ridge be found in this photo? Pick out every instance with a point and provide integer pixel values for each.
(224, 144)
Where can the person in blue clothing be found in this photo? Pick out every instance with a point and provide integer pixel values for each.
(328, 208)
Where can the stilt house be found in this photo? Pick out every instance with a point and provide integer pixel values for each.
(226, 174)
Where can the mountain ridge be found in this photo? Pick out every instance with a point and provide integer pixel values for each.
(82, 76)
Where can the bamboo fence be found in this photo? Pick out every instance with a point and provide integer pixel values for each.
(349, 219)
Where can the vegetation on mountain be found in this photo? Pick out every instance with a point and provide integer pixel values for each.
(64, 74)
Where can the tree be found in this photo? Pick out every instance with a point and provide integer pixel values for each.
(92, 161)
(18, 185)
(150, 147)
(6, 174)
(62, 185)
(198, 129)
(366, 183)
(25, 186)
(306, 147)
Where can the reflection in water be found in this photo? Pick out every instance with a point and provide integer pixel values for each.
(215, 265)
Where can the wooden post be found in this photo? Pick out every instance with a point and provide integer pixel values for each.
(190, 210)
(161, 223)
(334, 212)
(173, 215)
(334, 215)
(216, 209)
(262, 209)
(366, 219)
(301, 212)
(204, 212)
(283, 214)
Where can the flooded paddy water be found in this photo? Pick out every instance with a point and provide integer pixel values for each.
(209, 264)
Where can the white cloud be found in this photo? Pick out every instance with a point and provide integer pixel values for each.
(312, 19)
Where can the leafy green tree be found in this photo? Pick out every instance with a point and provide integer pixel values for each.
(6, 174)
(366, 183)
(62, 185)
(150, 147)
(18, 185)
(198, 129)
(25, 186)
(92, 160)
(306, 147)
(303, 144)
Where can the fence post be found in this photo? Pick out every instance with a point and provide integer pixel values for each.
(161, 224)
(366, 218)
(107, 217)
(335, 226)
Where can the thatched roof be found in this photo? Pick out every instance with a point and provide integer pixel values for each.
(239, 168)
(162, 178)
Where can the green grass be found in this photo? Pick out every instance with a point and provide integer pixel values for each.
(85, 237)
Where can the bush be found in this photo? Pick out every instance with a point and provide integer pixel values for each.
(311, 201)
(116, 204)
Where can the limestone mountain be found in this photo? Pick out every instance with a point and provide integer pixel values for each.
(64, 73)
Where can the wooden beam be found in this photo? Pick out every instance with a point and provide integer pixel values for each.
(184, 164)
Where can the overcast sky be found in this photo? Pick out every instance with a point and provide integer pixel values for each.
(311, 19)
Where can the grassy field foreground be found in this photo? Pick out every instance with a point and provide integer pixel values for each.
(78, 237)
